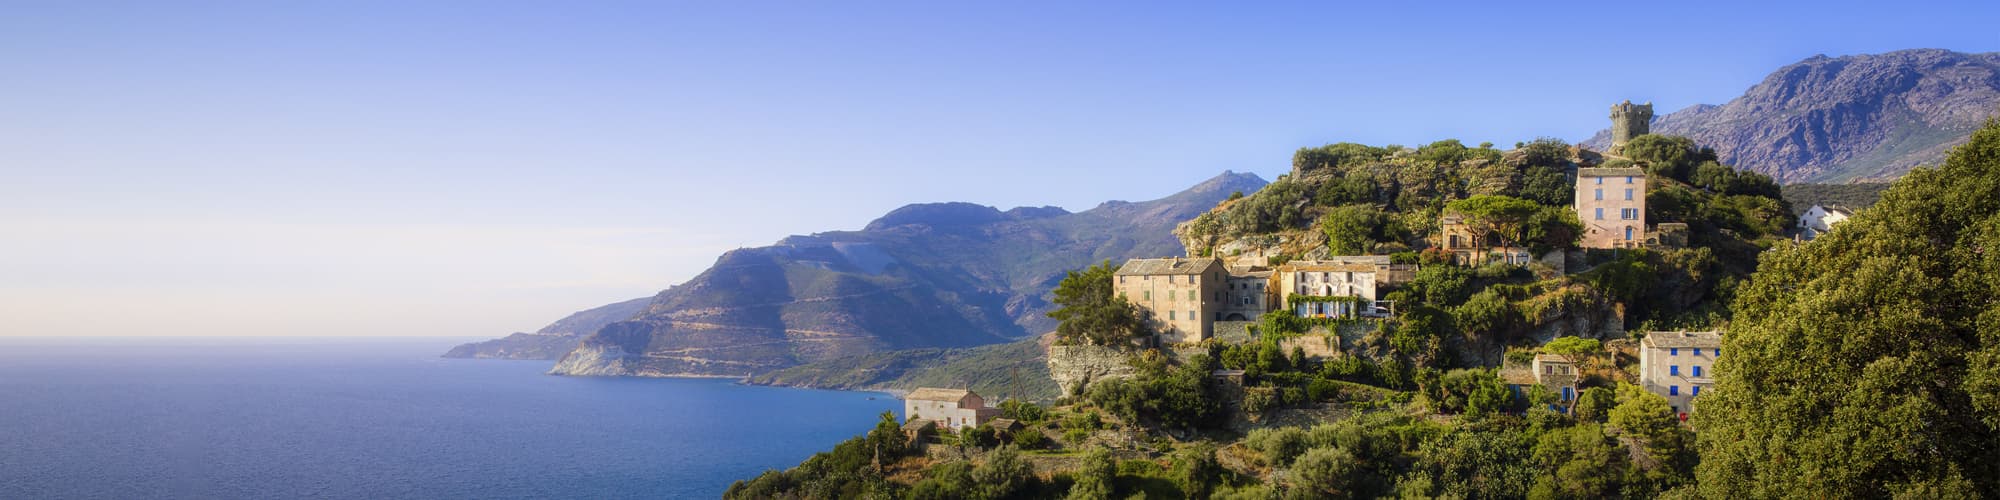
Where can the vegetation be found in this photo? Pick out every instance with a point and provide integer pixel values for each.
(1861, 195)
(1866, 364)
(1090, 311)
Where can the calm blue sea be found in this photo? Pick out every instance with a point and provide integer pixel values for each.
(366, 418)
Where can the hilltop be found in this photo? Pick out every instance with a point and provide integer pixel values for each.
(933, 275)
(1852, 118)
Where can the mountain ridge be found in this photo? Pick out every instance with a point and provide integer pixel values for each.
(1866, 117)
(925, 275)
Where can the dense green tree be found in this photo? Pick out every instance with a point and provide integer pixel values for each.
(1196, 471)
(1495, 215)
(1003, 474)
(1093, 479)
(1594, 404)
(1667, 156)
(1090, 311)
(1352, 229)
(1325, 473)
(1867, 363)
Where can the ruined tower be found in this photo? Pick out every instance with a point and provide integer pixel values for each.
(1627, 121)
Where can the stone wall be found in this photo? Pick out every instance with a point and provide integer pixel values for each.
(1320, 346)
(1233, 332)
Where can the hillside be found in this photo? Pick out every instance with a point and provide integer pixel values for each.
(552, 341)
(1850, 118)
(1017, 369)
(927, 275)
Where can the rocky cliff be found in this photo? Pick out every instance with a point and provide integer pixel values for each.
(928, 275)
(1840, 119)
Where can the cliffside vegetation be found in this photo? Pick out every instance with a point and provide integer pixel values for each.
(1854, 196)
(1867, 363)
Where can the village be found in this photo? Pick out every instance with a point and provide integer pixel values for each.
(1190, 300)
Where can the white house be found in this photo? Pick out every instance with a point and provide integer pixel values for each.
(952, 409)
(1820, 219)
(1679, 365)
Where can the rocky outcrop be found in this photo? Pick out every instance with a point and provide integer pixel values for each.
(1839, 119)
(1074, 367)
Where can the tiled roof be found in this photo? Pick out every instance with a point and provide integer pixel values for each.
(1682, 339)
(1003, 423)
(1517, 376)
(936, 394)
(1611, 172)
(1548, 358)
(1316, 266)
(918, 423)
(1172, 265)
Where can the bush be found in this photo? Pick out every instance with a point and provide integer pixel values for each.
(1277, 446)
(1030, 439)
(1325, 472)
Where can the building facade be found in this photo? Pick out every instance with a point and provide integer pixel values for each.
(1558, 374)
(1181, 297)
(1679, 366)
(1247, 295)
(1327, 290)
(951, 409)
(1820, 219)
(1611, 203)
(1466, 247)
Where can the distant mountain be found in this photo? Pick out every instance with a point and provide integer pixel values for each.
(1017, 369)
(555, 340)
(926, 275)
(1850, 118)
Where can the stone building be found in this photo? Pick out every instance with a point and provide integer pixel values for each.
(1248, 294)
(1611, 203)
(1547, 370)
(1627, 121)
(1679, 365)
(951, 409)
(1182, 297)
(1347, 290)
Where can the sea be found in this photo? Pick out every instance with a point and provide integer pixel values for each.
(370, 418)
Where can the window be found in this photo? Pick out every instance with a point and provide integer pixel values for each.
(1600, 214)
(1149, 295)
(1697, 351)
(1191, 315)
(1628, 192)
(1170, 315)
(1599, 193)
(1121, 280)
(1718, 351)
(1628, 179)
(1600, 180)
(1171, 296)
(1628, 234)
(1697, 370)
(1192, 296)
(1675, 351)
(1673, 390)
(1674, 370)
(1694, 391)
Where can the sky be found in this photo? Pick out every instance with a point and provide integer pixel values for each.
(477, 168)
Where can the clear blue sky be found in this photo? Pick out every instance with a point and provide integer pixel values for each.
(474, 168)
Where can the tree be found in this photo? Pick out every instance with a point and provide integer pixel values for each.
(1497, 215)
(1352, 229)
(1003, 474)
(1093, 480)
(1090, 310)
(1326, 473)
(1195, 469)
(1569, 347)
(1867, 363)
(1594, 404)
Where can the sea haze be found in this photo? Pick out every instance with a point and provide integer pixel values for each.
(372, 418)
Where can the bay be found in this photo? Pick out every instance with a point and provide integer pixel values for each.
(382, 418)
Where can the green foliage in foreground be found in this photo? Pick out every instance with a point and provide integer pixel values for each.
(1867, 363)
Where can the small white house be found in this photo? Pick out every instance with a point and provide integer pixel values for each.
(952, 409)
(1820, 219)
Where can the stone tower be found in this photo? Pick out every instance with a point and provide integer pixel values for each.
(1629, 120)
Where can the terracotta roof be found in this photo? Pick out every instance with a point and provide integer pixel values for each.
(1682, 339)
(1518, 376)
(1172, 265)
(1316, 266)
(1611, 172)
(936, 394)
